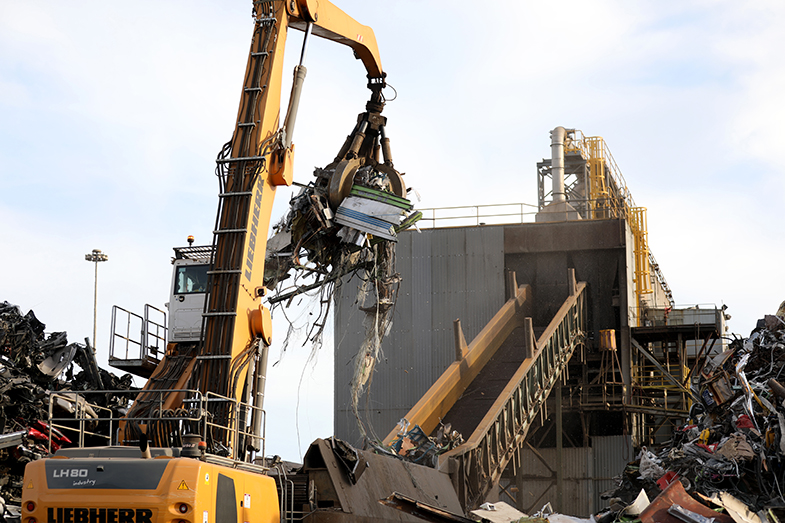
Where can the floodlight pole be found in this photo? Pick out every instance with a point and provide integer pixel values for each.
(96, 256)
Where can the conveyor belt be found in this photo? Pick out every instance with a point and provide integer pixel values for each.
(480, 395)
(502, 431)
(496, 388)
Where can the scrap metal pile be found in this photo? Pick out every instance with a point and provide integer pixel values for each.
(416, 446)
(314, 243)
(731, 453)
(320, 248)
(32, 365)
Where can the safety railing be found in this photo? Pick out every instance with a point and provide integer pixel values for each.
(648, 376)
(680, 314)
(480, 461)
(505, 214)
(647, 369)
(82, 423)
(286, 494)
(595, 147)
(91, 424)
(124, 344)
(239, 415)
(609, 197)
(491, 214)
(138, 338)
(655, 269)
(476, 215)
(656, 392)
(154, 331)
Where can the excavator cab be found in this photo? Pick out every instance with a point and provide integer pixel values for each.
(189, 290)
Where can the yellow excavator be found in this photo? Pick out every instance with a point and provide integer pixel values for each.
(188, 447)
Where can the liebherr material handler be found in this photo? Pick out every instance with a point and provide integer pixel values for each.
(212, 385)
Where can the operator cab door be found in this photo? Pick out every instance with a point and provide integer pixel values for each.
(186, 305)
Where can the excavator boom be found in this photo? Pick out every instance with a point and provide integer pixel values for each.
(198, 421)
(332, 23)
(230, 358)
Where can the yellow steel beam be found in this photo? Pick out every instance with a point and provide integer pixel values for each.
(332, 23)
(443, 394)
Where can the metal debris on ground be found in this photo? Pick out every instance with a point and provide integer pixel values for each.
(731, 452)
(498, 512)
(416, 446)
(32, 365)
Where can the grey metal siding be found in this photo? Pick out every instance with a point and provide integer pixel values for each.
(611, 455)
(447, 274)
(587, 473)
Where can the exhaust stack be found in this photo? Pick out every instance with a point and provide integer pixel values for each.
(559, 209)
(557, 164)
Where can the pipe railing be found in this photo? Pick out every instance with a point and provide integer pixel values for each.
(138, 338)
(513, 213)
(476, 215)
(85, 417)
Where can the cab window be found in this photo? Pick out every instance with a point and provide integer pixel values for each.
(190, 279)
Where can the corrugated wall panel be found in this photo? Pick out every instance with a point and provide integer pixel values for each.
(419, 290)
(447, 274)
(486, 245)
(587, 472)
(443, 302)
(611, 455)
(539, 486)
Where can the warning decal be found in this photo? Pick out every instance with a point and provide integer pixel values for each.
(182, 486)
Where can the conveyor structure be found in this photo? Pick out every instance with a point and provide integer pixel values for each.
(497, 387)
(540, 421)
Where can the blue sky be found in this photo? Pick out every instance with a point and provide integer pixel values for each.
(111, 116)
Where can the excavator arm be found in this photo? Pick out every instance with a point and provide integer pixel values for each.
(331, 23)
(230, 361)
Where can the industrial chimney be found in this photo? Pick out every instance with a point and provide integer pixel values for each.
(559, 209)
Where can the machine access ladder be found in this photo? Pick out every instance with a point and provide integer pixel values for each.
(497, 387)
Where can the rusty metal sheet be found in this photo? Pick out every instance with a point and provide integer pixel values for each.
(383, 476)
(422, 510)
(674, 494)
